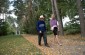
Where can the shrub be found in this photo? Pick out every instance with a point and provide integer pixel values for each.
(3, 28)
(72, 28)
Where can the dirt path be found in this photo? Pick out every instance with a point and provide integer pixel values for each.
(69, 47)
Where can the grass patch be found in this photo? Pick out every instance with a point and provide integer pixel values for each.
(17, 45)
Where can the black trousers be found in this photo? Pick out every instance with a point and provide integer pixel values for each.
(40, 35)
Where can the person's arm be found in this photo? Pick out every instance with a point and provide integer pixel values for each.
(51, 28)
(38, 29)
(45, 26)
(37, 26)
(50, 24)
(58, 25)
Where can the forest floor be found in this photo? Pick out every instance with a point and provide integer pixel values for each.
(71, 45)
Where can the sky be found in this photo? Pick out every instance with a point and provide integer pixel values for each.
(11, 8)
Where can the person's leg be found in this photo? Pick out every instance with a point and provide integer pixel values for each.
(39, 39)
(58, 41)
(56, 36)
(45, 38)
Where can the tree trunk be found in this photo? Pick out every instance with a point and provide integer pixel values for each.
(81, 17)
(53, 9)
(58, 17)
(30, 8)
(0, 15)
(61, 17)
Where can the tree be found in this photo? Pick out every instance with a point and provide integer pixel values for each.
(55, 9)
(31, 10)
(3, 27)
(81, 17)
(4, 5)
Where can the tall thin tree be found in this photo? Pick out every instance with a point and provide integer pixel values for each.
(53, 9)
(81, 17)
(54, 2)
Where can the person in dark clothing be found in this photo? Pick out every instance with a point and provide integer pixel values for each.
(41, 28)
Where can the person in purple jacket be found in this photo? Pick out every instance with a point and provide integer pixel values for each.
(41, 28)
(54, 28)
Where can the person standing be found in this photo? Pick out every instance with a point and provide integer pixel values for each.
(41, 28)
(54, 28)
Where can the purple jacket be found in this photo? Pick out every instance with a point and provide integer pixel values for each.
(53, 22)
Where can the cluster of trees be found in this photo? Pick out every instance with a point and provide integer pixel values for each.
(28, 12)
(3, 24)
(3, 27)
(72, 8)
(6, 22)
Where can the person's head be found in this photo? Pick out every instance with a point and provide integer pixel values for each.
(41, 17)
(53, 16)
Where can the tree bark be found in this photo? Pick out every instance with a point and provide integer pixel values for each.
(58, 17)
(61, 17)
(53, 9)
(81, 17)
(30, 8)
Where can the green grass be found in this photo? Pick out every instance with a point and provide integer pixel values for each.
(17, 45)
